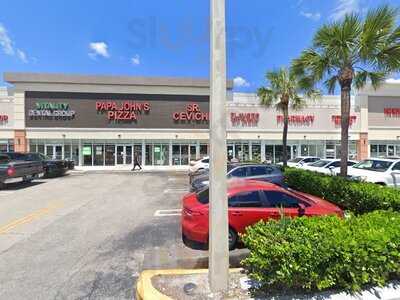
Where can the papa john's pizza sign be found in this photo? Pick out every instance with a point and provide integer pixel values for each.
(126, 111)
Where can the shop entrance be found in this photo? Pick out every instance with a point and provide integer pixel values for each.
(124, 154)
(54, 151)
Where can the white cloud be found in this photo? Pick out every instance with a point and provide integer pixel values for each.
(392, 80)
(8, 45)
(312, 16)
(22, 56)
(98, 49)
(345, 7)
(240, 82)
(135, 60)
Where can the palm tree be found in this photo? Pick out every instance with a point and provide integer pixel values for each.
(282, 93)
(350, 53)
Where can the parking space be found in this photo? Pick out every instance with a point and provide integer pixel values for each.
(89, 235)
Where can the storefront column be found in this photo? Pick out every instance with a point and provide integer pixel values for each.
(362, 147)
(250, 150)
(198, 150)
(80, 153)
(263, 151)
(143, 153)
(20, 141)
(170, 153)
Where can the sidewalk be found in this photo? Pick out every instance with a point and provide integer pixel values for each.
(146, 169)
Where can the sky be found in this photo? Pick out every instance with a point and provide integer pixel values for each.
(161, 38)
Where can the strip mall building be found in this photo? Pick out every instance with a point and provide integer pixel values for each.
(107, 120)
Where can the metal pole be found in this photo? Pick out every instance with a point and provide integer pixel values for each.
(218, 215)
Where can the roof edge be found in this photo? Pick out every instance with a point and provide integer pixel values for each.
(50, 78)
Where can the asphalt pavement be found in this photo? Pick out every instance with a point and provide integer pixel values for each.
(89, 235)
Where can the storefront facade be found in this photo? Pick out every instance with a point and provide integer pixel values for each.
(104, 121)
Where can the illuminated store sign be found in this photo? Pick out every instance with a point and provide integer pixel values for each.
(299, 120)
(124, 111)
(392, 112)
(52, 110)
(192, 113)
(245, 119)
(336, 119)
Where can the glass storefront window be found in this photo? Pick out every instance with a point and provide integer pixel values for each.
(192, 152)
(256, 152)
(87, 154)
(398, 150)
(161, 154)
(176, 153)
(149, 155)
(98, 158)
(40, 149)
(382, 150)
(109, 155)
(32, 147)
(75, 154)
(203, 150)
(3, 147)
(269, 153)
(67, 151)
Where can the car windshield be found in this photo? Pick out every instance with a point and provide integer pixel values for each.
(202, 196)
(296, 160)
(320, 163)
(373, 165)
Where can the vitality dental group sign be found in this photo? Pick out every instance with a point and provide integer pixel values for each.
(52, 111)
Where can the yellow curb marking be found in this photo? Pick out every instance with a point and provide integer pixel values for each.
(29, 218)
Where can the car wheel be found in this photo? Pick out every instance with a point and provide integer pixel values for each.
(232, 238)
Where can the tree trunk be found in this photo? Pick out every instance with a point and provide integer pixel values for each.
(345, 118)
(285, 133)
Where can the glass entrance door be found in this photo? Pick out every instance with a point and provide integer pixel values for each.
(124, 154)
(54, 151)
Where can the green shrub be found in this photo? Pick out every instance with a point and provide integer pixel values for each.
(358, 197)
(324, 252)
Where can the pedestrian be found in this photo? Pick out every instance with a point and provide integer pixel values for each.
(136, 162)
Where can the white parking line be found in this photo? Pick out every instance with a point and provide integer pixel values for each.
(167, 212)
(167, 191)
(6, 193)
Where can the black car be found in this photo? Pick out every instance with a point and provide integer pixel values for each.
(263, 172)
(51, 167)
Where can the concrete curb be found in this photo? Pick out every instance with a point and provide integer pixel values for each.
(145, 289)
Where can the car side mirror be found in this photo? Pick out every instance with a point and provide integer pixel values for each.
(331, 167)
(302, 209)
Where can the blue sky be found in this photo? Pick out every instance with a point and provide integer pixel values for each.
(160, 38)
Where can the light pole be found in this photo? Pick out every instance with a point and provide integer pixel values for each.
(218, 209)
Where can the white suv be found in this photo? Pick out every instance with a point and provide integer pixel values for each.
(301, 161)
(201, 164)
(327, 166)
(377, 170)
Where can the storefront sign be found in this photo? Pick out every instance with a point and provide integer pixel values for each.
(299, 120)
(116, 110)
(3, 118)
(336, 119)
(245, 119)
(51, 111)
(124, 111)
(392, 112)
(192, 113)
(87, 151)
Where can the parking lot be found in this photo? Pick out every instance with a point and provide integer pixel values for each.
(89, 235)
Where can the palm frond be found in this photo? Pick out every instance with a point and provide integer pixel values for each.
(330, 84)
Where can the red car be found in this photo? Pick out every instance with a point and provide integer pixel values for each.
(248, 203)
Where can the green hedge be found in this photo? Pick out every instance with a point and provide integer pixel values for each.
(324, 252)
(358, 197)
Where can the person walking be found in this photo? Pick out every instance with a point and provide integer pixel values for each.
(136, 162)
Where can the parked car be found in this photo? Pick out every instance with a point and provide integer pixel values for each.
(249, 201)
(327, 166)
(377, 170)
(51, 167)
(301, 161)
(14, 168)
(261, 172)
(201, 164)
